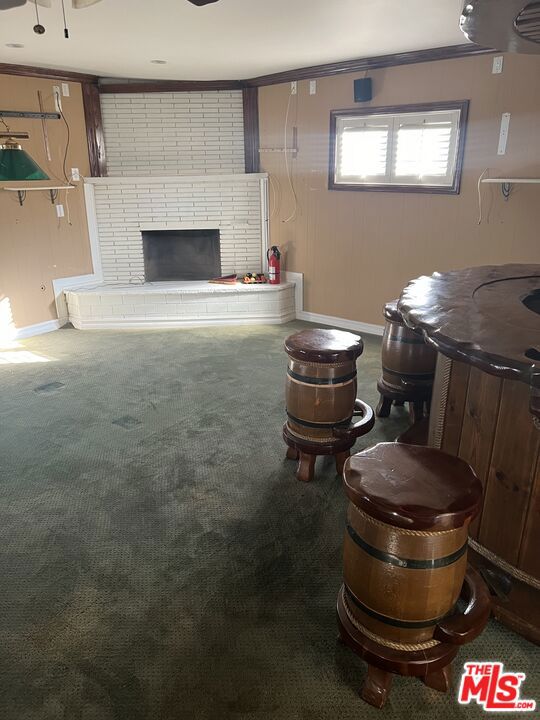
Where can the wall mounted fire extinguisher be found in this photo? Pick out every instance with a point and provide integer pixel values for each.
(274, 265)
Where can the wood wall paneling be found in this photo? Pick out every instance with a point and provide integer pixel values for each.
(529, 556)
(35, 245)
(479, 420)
(510, 476)
(455, 407)
(358, 250)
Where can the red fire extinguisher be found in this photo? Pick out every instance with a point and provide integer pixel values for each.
(274, 265)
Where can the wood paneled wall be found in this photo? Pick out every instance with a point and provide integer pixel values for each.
(36, 246)
(357, 250)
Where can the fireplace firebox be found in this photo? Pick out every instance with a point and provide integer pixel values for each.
(181, 254)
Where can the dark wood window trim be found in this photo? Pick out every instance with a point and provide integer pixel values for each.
(462, 105)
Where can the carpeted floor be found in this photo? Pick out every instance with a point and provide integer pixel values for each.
(158, 560)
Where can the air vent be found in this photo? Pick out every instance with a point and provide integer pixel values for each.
(527, 23)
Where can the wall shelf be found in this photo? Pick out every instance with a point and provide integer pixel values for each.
(506, 183)
(51, 189)
(511, 181)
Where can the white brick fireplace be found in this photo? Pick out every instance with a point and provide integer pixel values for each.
(120, 209)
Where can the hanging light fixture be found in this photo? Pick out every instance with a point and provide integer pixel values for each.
(16, 163)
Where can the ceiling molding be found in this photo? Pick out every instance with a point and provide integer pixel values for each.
(150, 86)
(47, 73)
(449, 52)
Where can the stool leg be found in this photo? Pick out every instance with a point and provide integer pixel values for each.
(292, 453)
(376, 686)
(306, 467)
(416, 410)
(383, 408)
(399, 403)
(340, 461)
(440, 680)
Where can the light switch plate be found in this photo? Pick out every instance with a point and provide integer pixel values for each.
(293, 87)
(60, 211)
(65, 89)
(497, 64)
(312, 87)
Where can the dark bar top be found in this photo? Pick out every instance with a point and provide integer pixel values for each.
(486, 316)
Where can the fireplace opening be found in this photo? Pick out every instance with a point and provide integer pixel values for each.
(181, 254)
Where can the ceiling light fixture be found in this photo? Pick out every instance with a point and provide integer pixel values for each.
(14, 45)
(159, 62)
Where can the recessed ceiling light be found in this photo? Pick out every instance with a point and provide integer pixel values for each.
(159, 62)
(14, 45)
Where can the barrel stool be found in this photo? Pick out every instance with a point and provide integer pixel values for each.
(405, 564)
(321, 398)
(408, 366)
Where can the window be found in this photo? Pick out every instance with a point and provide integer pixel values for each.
(410, 148)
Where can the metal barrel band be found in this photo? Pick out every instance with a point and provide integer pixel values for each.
(309, 380)
(410, 647)
(408, 341)
(393, 622)
(399, 530)
(419, 377)
(319, 426)
(411, 563)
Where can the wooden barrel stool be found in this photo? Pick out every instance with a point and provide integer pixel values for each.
(408, 366)
(405, 564)
(321, 398)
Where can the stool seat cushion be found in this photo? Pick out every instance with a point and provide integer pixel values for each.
(324, 346)
(412, 486)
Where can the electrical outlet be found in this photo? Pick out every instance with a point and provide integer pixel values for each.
(60, 211)
(503, 134)
(312, 87)
(293, 87)
(497, 64)
(75, 174)
(57, 100)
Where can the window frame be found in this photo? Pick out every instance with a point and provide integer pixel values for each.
(461, 105)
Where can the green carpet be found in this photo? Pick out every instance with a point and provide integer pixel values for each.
(159, 560)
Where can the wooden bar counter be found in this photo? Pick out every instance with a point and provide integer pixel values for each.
(485, 324)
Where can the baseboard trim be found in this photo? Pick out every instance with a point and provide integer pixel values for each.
(37, 329)
(343, 323)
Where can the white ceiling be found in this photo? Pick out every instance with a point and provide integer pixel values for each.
(231, 39)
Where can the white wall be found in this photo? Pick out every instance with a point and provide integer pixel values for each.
(186, 133)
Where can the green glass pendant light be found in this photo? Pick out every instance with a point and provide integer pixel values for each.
(16, 163)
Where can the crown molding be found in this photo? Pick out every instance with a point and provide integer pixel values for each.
(450, 52)
(47, 73)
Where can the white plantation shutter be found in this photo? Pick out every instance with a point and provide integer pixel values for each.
(397, 149)
(425, 148)
(362, 149)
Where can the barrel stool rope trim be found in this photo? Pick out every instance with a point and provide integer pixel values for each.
(510, 569)
(394, 528)
(410, 647)
(319, 426)
(394, 622)
(430, 564)
(308, 380)
(319, 365)
(321, 440)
